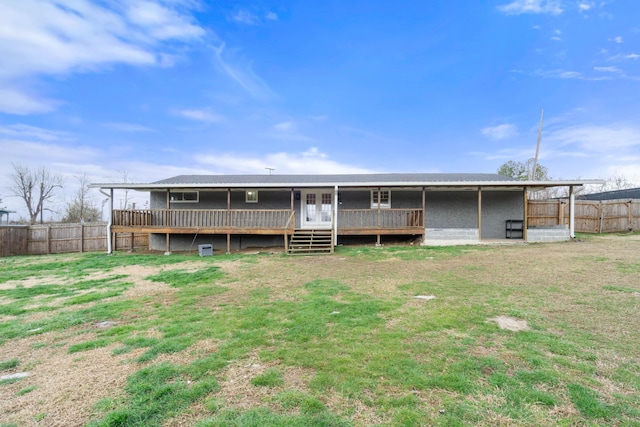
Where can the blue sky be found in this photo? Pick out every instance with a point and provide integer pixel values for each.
(158, 88)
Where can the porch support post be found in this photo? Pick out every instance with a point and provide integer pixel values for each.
(424, 214)
(572, 212)
(479, 213)
(378, 236)
(335, 216)
(525, 219)
(293, 196)
(167, 250)
(228, 220)
(109, 224)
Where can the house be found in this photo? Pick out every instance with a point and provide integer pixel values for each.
(307, 212)
(5, 213)
(625, 194)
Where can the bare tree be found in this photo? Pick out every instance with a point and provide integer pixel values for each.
(124, 176)
(82, 208)
(35, 187)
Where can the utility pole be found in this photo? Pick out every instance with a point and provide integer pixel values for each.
(535, 159)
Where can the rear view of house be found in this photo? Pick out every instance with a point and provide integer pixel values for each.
(316, 212)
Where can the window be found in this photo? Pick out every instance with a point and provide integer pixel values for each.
(184, 196)
(251, 196)
(384, 196)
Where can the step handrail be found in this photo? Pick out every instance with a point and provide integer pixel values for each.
(286, 234)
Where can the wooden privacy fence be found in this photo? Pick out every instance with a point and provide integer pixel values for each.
(591, 216)
(64, 238)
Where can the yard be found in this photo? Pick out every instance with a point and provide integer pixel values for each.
(394, 336)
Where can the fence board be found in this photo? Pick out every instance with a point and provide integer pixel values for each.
(591, 216)
(64, 238)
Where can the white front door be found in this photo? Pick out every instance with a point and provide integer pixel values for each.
(317, 208)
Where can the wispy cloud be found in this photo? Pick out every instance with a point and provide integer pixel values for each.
(200, 115)
(127, 127)
(271, 16)
(597, 138)
(617, 39)
(500, 132)
(570, 75)
(243, 75)
(23, 131)
(585, 6)
(284, 126)
(54, 37)
(23, 102)
(519, 7)
(623, 57)
(311, 161)
(614, 70)
(245, 17)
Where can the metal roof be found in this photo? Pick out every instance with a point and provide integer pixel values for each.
(628, 193)
(341, 180)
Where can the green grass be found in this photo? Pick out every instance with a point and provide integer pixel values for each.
(270, 378)
(404, 361)
(8, 364)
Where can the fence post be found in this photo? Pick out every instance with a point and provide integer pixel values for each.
(600, 211)
(48, 239)
(81, 238)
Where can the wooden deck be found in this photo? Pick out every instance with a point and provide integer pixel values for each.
(263, 221)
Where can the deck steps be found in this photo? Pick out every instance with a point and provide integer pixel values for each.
(311, 242)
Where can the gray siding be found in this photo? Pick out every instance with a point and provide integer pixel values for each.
(267, 199)
(497, 208)
(447, 209)
(361, 199)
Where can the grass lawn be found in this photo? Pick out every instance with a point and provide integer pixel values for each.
(341, 340)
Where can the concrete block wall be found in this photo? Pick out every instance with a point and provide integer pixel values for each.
(555, 234)
(451, 236)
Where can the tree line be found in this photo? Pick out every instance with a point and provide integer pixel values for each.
(37, 188)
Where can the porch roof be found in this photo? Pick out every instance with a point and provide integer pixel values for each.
(451, 180)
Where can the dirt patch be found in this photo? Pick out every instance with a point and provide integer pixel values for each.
(510, 324)
(61, 395)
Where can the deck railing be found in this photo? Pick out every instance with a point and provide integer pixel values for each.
(263, 218)
(387, 219)
(203, 218)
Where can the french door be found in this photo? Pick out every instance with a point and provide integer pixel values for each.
(317, 208)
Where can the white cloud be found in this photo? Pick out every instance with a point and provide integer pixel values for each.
(500, 132)
(127, 127)
(597, 138)
(245, 17)
(311, 161)
(271, 16)
(243, 75)
(570, 75)
(614, 70)
(632, 56)
(14, 101)
(284, 126)
(617, 39)
(585, 6)
(33, 132)
(54, 37)
(518, 7)
(200, 115)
